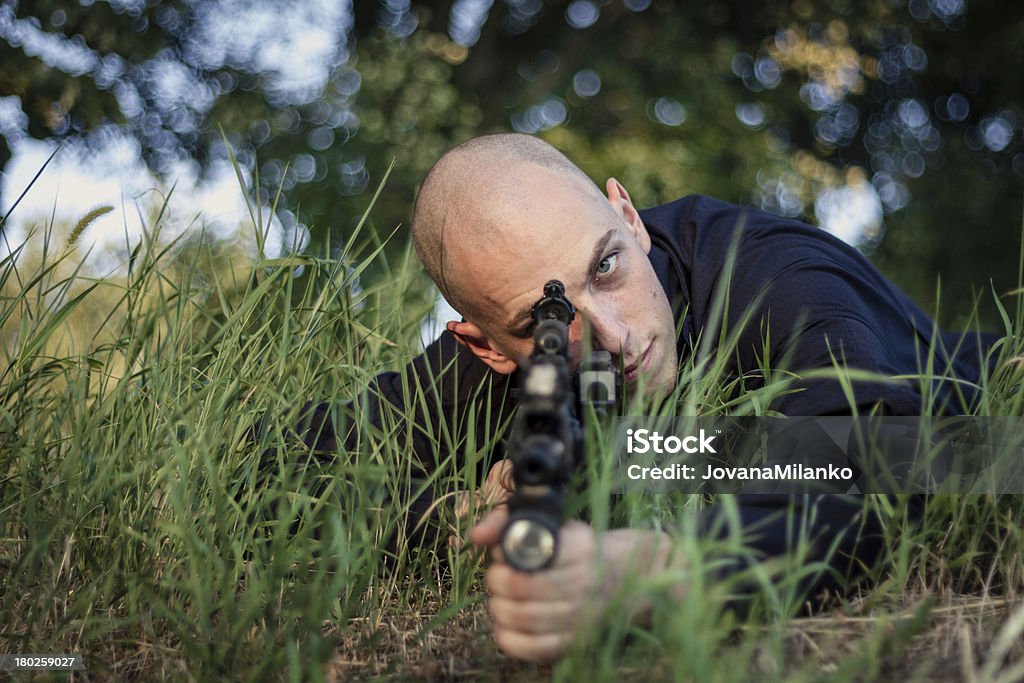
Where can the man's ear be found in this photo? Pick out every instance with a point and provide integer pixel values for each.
(623, 205)
(473, 338)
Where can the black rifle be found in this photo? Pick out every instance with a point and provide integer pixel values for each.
(547, 441)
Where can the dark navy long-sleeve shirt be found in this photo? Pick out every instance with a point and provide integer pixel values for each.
(815, 298)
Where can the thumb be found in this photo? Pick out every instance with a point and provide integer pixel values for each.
(488, 531)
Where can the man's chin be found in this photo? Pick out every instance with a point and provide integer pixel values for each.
(653, 383)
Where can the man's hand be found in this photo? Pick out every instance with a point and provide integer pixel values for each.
(495, 490)
(536, 615)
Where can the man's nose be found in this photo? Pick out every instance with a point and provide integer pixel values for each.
(606, 330)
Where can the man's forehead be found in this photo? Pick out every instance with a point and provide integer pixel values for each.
(546, 230)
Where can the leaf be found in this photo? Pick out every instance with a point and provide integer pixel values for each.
(29, 351)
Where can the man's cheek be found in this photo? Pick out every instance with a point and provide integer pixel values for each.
(522, 354)
(576, 334)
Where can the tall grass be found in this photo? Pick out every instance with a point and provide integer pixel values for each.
(160, 515)
(141, 523)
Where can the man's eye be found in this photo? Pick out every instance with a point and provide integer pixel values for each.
(607, 265)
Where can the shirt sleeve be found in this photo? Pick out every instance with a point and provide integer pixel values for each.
(814, 314)
(807, 304)
(444, 410)
(810, 544)
(443, 403)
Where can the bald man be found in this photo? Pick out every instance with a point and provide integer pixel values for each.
(498, 216)
(539, 217)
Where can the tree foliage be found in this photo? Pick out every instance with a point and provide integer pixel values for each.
(914, 109)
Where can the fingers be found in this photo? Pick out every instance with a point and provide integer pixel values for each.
(488, 531)
(534, 617)
(496, 489)
(558, 583)
(500, 477)
(462, 501)
(533, 630)
(536, 613)
(540, 648)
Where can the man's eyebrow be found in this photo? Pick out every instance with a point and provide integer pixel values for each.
(524, 314)
(598, 254)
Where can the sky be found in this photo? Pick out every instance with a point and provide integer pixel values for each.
(73, 184)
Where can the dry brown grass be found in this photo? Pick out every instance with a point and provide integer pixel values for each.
(919, 640)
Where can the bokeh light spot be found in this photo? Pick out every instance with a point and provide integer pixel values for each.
(582, 14)
(667, 111)
(586, 83)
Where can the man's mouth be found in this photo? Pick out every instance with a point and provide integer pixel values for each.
(633, 370)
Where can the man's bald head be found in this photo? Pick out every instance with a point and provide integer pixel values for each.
(470, 193)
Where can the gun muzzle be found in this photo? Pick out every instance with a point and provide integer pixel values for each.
(530, 541)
